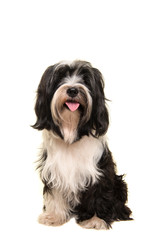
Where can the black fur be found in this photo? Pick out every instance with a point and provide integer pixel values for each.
(41, 161)
(106, 199)
(46, 89)
(53, 78)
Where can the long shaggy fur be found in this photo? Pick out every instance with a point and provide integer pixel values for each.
(76, 165)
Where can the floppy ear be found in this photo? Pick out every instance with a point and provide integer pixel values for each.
(44, 95)
(100, 114)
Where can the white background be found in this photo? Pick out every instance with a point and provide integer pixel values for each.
(122, 39)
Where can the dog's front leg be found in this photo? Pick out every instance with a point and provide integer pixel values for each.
(56, 209)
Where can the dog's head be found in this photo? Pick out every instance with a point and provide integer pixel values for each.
(71, 102)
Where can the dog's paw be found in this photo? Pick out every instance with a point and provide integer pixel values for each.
(50, 220)
(94, 223)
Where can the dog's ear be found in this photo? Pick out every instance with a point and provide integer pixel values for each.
(44, 95)
(100, 116)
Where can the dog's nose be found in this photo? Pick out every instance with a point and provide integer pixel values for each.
(72, 92)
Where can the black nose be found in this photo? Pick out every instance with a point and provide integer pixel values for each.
(72, 92)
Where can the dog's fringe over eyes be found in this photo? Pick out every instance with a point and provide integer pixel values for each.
(76, 165)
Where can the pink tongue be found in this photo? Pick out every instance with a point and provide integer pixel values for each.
(73, 106)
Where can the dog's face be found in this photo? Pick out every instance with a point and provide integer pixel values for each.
(71, 102)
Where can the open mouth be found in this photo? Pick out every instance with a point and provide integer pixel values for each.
(72, 106)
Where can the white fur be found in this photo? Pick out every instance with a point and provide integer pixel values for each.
(56, 209)
(94, 223)
(70, 167)
(69, 123)
(72, 81)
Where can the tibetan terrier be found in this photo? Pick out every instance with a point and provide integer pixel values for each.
(76, 165)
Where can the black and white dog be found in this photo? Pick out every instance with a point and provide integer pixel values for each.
(76, 165)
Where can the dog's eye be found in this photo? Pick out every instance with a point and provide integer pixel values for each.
(87, 83)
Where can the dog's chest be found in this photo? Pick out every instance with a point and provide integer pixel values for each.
(71, 166)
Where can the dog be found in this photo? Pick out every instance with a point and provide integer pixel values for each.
(76, 165)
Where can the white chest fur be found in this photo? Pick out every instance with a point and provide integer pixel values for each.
(70, 167)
